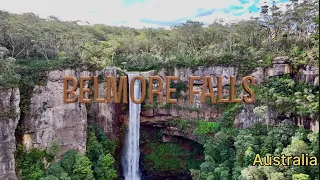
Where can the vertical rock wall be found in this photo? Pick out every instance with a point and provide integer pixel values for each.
(105, 114)
(250, 114)
(9, 117)
(50, 120)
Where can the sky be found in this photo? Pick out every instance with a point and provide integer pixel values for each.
(139, 13)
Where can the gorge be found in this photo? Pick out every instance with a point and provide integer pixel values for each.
(48, 119)
(217, 92)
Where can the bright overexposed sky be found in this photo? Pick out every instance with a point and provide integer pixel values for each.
(138, 13)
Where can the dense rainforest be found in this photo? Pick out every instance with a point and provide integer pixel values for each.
(30, 45)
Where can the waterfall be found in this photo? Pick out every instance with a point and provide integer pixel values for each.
(132, 151)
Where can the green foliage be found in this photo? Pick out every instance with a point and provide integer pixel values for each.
(204, 127)
(243, 140)
(277, 176)
(68, 160)
(190, 44)
(50, 177)
(227, 118)
(171, 152)
(73, 165)
(268, 59)
(31, 164)
(307, 103)
(82, 168)
(99, 147)
(8, 73)
(277, 138)
(249, 156)
(195, 174)
(98, 55)
(252, 173)
(53, 151)
(105, 168)
(167, 106)
(300, 55)
(94, 148)
(56, 171)
(179, 123)
(169, 157)
(53, 44)
(32, 71)
(34, 162)
(288, 97)
(300, 177)
(313, 137)
(297, 147)
(219, 156)
(179, 86)
(230, 153)
(139, 62)
(108, 145)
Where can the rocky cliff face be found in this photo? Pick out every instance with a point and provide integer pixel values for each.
(106, 115)
(50, 120)
(309, 74)
(9, 117)
(247, 116)
(251, 114)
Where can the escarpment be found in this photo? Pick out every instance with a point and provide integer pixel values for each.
(9, 117)
(49, 120)
(246, 117)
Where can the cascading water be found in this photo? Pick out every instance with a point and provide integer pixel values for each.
(131, 156)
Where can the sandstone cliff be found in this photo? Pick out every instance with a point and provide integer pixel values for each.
(247, 116)
(9, 117)
(50, 120)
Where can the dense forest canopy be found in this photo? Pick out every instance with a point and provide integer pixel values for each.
(292, 32)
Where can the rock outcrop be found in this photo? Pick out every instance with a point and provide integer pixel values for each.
(50, 120)
(248, 115)
(309, 74)
(9, 117)
(251, 114)
(106, 115)
(280, 66)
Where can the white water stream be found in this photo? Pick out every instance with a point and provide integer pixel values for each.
(132, 151)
